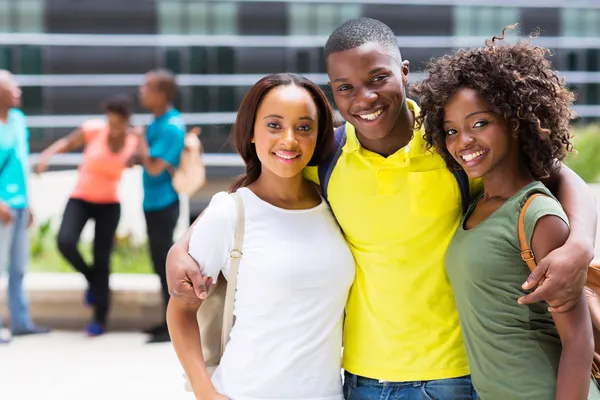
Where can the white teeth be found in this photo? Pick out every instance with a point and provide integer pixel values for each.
(286, 157)
(371, 117)
(472, 156)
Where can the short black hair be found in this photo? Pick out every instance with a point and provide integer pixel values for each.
(121, 104)
(358, 31)
(166, 83)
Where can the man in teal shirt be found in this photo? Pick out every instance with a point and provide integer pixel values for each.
(15, 216)
(159, 152)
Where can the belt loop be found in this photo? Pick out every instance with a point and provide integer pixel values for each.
(354, 381)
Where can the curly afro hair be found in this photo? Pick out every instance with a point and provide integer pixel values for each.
(519, 84)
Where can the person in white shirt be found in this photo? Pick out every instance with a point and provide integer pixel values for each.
(296, 270)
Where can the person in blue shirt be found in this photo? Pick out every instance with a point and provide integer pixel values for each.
(15, 216)
(159, 152)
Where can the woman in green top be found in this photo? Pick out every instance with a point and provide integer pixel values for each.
(501, 113)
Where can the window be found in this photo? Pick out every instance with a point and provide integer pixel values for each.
(197, 17)
(319, 19)
(30, 61)
(483, 21)
(6, 58)
(22, 16)
(580, 22)
(30, 15)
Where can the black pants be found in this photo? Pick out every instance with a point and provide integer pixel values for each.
(160, 226)
(106, 217)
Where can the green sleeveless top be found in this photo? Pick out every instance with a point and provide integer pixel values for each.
(513, 349)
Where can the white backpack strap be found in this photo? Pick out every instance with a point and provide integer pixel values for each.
(235, 255)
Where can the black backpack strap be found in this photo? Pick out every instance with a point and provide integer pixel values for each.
(326, 168)
(463, 185)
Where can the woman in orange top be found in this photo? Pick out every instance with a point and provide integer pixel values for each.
(107, 147)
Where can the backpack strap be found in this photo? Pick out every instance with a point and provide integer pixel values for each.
(526, 252)
(326, 168)
(235, 255)
(463, 185)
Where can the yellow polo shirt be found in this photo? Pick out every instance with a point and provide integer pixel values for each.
(398, 215)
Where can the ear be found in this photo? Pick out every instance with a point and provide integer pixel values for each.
(405, 66)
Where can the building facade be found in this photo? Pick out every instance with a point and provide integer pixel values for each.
(69, 55)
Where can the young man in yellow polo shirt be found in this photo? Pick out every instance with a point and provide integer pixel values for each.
(398, 206)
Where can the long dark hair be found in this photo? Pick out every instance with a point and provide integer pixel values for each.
(243, 128)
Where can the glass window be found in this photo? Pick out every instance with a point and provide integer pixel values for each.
(464, 21)
(224, 18)
(5, 19)
(6, 57)
(30, 61)
(170, 17)
(300, 19)
(199, 61)
(200, 99)
(326, 19)
(30, 15)
(173, 60)
(198, 18)
(580, 22)
(225, 60)
(591, 23)
(483, 21)
(31, 100)
(319, 19)
(346, 12)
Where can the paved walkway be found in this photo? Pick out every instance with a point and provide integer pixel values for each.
(70, 366)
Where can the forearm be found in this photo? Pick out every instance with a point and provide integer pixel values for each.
(579, 204)
(60, 146)
(574, 371)
(576, 336)
(185, 335)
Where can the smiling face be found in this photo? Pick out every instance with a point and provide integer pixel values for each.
(478, 139)
(368, 88)
(286, 130)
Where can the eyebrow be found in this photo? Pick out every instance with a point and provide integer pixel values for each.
(470, 115)
(306, 117)
(371, 72)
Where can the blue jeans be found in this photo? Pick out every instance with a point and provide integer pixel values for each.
(14, 251)
(359, 388)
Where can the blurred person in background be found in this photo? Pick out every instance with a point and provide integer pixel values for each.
(15, 216)
(107, 147)
(159, 151)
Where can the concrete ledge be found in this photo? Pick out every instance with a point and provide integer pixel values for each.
(56, 301)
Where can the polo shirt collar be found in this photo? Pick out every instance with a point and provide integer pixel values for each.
(416, 147)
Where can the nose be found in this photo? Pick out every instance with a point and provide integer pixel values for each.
(365, 98)
(465, 139)
(289, 139)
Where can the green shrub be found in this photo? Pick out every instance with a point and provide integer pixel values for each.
(586, 160)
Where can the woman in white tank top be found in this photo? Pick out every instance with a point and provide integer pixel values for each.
(296, 269)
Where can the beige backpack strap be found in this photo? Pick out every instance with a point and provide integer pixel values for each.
(526, 252)
(235, 255)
